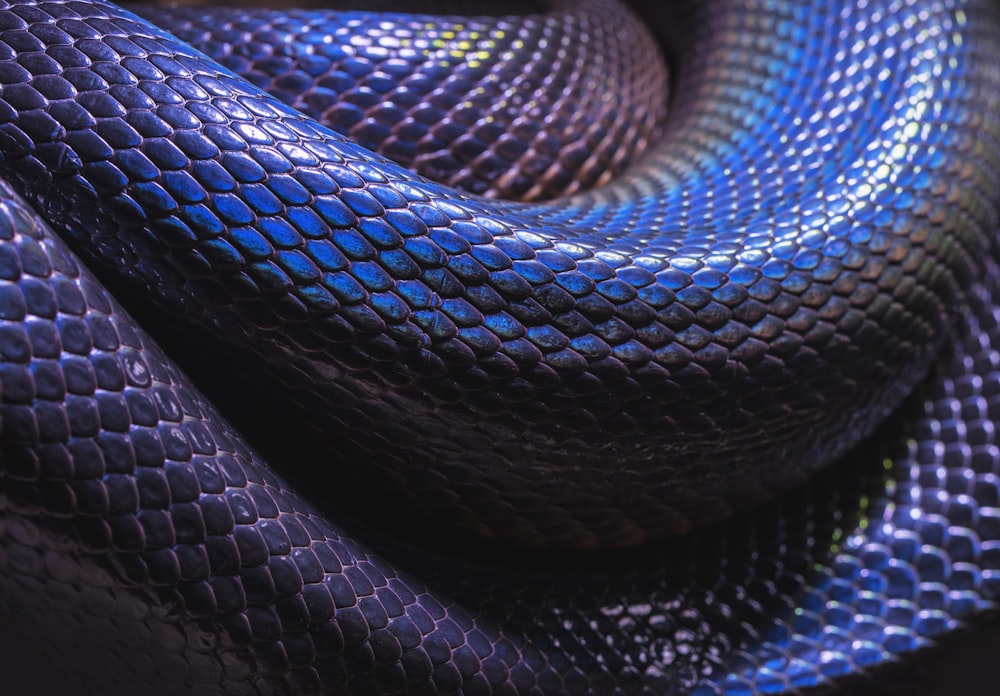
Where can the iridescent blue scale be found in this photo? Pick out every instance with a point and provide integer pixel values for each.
(677, 341)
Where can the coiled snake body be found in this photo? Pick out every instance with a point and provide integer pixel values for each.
(814, 235)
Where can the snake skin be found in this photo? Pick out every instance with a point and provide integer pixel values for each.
(489, 366)
(820, 219)
(459, 101)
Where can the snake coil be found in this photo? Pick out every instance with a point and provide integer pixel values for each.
(813, 236)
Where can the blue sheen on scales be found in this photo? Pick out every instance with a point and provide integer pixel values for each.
(650, 380)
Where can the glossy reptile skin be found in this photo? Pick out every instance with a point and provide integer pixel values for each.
(147, 549)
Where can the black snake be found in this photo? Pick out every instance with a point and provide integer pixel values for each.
(564, 387)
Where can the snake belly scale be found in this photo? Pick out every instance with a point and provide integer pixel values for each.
(814, 237)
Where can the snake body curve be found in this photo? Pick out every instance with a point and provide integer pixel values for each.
(140, 532)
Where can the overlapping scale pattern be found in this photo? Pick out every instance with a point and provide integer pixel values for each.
(787, 250)
(146, 547)
(511, 108)
(492, 363)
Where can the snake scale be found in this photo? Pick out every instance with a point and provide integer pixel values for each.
(634, 439)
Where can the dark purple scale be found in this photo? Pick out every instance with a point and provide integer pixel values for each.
(542, 400)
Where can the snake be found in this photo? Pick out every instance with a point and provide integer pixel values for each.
(724, 423)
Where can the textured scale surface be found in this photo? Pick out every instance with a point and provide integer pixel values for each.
(510, 108)
(738, 309)
(490, 364)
